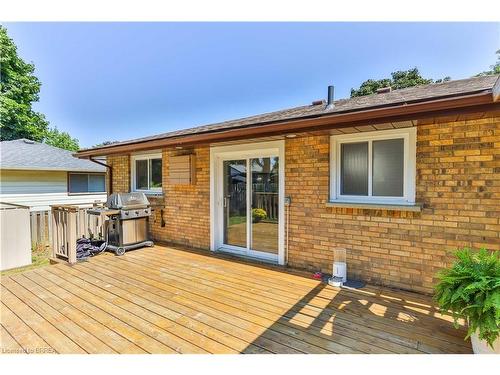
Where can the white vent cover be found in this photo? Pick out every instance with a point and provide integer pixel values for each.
(339, 269)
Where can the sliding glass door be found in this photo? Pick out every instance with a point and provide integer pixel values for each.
(250, 204)
(264, 204)
(235, 203)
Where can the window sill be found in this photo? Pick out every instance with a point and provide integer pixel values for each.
(89, 193)
(376, 206)
(151, 194)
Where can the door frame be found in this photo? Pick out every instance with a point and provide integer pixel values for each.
(244, 151)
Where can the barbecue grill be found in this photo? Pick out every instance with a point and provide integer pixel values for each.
(125, 221)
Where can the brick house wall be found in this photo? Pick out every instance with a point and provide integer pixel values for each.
(458, 181)
(121, 173)
(185, 208)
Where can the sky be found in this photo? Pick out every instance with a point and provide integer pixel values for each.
(118, 81)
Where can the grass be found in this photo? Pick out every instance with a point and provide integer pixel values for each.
(233, 220)
(39, 257)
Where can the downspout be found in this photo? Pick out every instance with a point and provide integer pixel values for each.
(110, 170)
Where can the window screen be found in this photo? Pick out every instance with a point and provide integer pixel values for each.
(141, 174)
(87, 183)
(155, 168)
(148, 174)
(354, 168)
(388, 168)
(78, 183)
(97, 183)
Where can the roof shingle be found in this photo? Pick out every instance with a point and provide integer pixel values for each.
(28, 155)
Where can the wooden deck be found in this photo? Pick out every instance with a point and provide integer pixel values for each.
(165, 300)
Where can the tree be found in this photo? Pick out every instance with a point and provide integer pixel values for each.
(399, 80)
(61, 139)
(105, 143)
(19, 89)
(495, 68)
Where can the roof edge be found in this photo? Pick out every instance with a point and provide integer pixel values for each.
(76, 170)
(332, 120)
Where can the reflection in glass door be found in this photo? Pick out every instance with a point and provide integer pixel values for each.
(251, 206)
(235, 202)
(265, 204)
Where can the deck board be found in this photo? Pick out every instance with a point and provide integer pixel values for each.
(66, 326)
(88, 322)
(50, 334)
(169, 300)
(272, 294)
(273, 306)
(8, 344)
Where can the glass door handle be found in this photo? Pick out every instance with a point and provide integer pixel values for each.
(225, 201)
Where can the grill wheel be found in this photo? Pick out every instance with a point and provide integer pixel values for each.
(120, 251)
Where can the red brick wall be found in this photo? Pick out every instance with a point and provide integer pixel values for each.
(458, 181)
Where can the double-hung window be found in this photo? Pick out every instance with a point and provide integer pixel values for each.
(375, 167)
(147, 173)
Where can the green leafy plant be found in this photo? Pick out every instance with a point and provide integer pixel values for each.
(258, 214)
(470, 289)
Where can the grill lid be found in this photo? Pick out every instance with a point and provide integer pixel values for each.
(127, 200)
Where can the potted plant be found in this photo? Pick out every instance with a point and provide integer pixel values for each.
(470, 289)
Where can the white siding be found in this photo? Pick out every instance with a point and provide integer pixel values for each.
(40, 189)
(32, 182)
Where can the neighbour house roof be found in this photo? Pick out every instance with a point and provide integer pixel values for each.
(23, 154)
(452, 94)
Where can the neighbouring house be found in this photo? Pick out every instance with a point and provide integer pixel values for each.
(398, 178)
(38, 175)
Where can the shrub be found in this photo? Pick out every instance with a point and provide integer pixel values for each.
(470, 289)
(258, 214)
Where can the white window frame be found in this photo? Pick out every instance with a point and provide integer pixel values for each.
(88, 176)
(149, 156)
(409, 136)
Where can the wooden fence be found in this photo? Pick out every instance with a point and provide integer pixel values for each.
(41, 228)
(269, 202)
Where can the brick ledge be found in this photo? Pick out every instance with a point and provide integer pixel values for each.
(376, 206)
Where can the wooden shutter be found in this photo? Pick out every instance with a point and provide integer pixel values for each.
(182, 169)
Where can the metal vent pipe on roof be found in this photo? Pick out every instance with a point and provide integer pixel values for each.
(329, 103)
(384, 90)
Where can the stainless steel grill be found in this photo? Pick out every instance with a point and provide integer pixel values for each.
(125, 219)
(131, 205)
